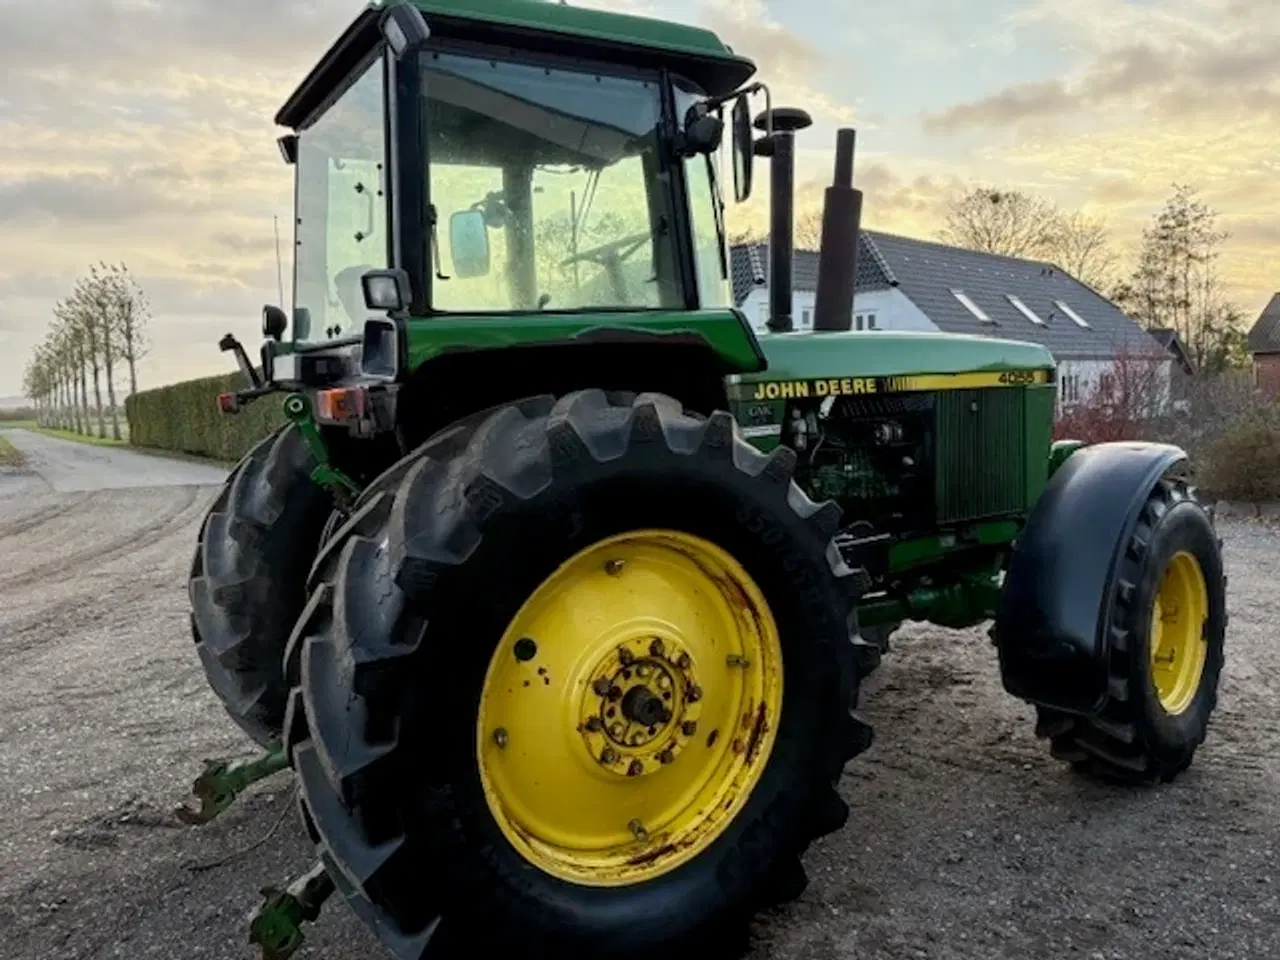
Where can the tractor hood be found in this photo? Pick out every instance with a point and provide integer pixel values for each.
(825, 360)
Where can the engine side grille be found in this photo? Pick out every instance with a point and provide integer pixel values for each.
(981, 465)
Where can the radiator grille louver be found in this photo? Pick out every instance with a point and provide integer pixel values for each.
(980, 462)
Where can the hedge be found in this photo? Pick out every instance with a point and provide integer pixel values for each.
(184, 417)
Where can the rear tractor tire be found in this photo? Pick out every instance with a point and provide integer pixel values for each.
(248, 578)
(1166, 650)
(580, 687)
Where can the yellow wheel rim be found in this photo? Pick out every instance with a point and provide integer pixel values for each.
(630, 708)
(1178, 646)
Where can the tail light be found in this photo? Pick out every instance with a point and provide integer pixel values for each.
(342, 405)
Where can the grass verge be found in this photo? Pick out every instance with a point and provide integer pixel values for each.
(9, 457)
(78, 437)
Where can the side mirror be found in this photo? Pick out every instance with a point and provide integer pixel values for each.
(469, 243)
(743, 149)
(274, 322)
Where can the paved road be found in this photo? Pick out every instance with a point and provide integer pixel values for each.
(964, 841)
(69, 467)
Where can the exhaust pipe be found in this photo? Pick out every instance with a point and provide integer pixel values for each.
(780, 147)
(838, 261)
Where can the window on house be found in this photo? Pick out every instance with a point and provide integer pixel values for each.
(806, 319)
(1071, 388)
(1024, 309)
(871, 322)
(1079, 320)
(1107, 385)
(972, 307)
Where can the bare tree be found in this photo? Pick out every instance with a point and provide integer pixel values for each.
(131, 315)
(1175, 283)
(1081, 245)
(1006, 222)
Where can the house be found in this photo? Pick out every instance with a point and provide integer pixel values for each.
(1264, 348)
(908, 284)
(1182, 369)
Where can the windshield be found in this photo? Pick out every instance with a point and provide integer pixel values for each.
(546, 189)
(341, 211)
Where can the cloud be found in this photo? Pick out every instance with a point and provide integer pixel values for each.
(90, 198)
(1218, 60)
(792, 65)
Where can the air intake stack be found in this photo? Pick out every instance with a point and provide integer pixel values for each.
(780, 148)
(838, 261)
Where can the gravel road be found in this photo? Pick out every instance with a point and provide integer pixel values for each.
(79, 467)
(965, 842)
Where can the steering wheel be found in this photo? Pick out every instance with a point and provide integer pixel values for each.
(610, 253)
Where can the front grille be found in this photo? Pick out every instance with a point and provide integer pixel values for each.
(980, 462)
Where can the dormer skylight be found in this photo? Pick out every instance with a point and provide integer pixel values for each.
(1024, 309)
(1080, 321)
(972, 307)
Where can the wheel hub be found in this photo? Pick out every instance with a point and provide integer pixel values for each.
(641, 708)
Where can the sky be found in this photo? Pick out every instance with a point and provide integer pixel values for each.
(140, 131)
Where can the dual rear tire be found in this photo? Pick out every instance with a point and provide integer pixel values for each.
(575, 677)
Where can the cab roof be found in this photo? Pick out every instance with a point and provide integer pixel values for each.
(543, 26)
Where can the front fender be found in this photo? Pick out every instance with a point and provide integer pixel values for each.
(1052, 624)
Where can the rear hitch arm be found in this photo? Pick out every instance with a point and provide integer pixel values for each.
(297, 407)
(224, 780)
(276, 926)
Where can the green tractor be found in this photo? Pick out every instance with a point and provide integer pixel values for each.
(557, 590)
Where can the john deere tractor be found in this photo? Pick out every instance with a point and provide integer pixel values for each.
(557, 590)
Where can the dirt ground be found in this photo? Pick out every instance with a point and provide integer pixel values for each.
(965, 840)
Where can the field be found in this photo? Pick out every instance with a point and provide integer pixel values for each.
(965, 841)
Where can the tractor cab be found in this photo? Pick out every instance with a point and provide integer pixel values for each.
(534, 159)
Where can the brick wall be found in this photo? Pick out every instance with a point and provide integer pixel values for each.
(1266, 372)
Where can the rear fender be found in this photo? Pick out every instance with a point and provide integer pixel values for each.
(1052, 628)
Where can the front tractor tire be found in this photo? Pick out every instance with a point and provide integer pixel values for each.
(579, 686)
(1167, 647)
(248, 578)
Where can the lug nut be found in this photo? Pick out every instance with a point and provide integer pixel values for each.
(500, 738)
(657, 647)
(601, 686)
(664, 682)
(614, 567)
(638, 831)
(617, 730)
(666, 756)
(625, 656)
(642, 670)
(595, 724)
(689, 728)
(683, 661)
(635, 769)
(608, 755)
(693, 694)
